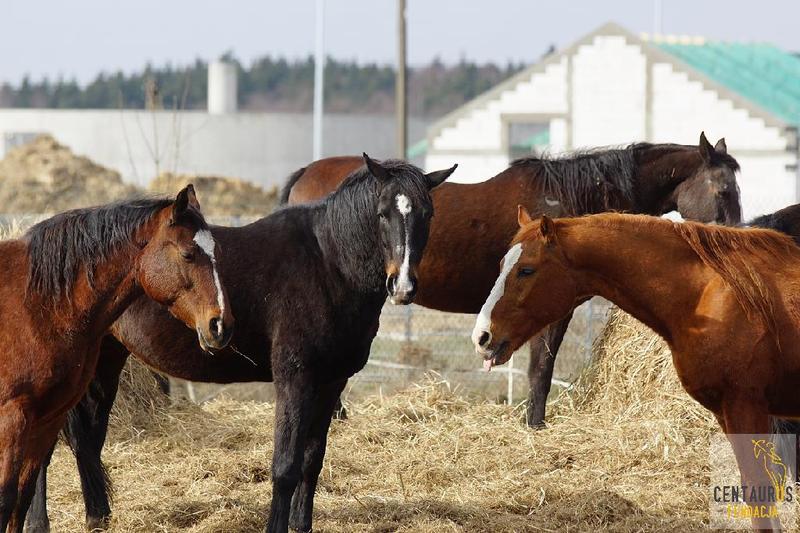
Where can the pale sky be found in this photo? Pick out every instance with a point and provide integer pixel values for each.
(82, 37)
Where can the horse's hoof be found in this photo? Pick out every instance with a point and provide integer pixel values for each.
(97, 523)
(537, 425)
(37, 527)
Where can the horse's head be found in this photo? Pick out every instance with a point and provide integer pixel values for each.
(535, 288)
(178, 268)
(711, 194)
(404, 210)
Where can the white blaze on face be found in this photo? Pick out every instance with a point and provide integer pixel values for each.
(403, 280)
(205, 241)
(484, 321)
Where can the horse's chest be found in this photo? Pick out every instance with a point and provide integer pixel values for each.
(350, 347)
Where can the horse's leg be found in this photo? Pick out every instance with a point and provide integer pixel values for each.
(37, 520)
(325, 405)
(13, 434)
(339, 411)
(37, 451)
(86, 428)
(540, 369)
(744, 415)
(293, 413)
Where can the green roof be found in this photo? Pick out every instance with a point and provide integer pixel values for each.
(761, 73)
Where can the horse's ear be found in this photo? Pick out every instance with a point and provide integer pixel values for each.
(548, 228)
(375, 168)
(706, 150)
(437, 177)
(721, 147)
(523, 217)
(186, 199)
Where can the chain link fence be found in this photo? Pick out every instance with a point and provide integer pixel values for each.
(413, 340)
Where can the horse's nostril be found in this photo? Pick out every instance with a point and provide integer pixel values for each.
(215, 327)
(484, 339)
(391, 284)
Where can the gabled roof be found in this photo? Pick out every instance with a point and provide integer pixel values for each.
(777, 105)
(760, 72)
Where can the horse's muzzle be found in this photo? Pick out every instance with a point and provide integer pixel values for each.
(216, 336)
(401, 292)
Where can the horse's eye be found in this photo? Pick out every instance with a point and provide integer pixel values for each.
(188, 255)
(382, 215)
(525, 271)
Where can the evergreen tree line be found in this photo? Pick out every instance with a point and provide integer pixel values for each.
(269, 84)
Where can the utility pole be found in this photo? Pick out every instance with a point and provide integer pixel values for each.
(401, 92)
(319, 79)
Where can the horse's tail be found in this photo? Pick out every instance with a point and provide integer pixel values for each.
(290, 181)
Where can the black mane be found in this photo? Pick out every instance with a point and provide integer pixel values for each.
(59, 246)
(600, 179)
(588, 181)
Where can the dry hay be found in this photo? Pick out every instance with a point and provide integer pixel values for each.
(44, 176)
(625, 451)
(220, 196)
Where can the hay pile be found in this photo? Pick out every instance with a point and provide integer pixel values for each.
(44, 176)
(221, 196)
(625, 451)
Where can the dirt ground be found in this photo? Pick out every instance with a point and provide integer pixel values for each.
(626, 450)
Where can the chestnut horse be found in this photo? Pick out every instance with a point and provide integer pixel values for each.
(308, 284)
(726, 300)
(64, 283)
(472, 221)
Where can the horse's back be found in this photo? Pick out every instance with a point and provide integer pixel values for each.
(318, 179)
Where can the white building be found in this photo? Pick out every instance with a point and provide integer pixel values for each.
(612, 87)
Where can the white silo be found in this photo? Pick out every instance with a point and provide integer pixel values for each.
(221, 87)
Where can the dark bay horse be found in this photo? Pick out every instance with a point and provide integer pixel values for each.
(726, 300)
(473, 222)
(64, 283)
(307, 285)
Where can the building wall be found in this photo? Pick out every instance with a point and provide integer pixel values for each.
(260, 147)
(608, 93)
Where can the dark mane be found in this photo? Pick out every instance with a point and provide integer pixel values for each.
(589, 181)
(59, 246)
(600, 179)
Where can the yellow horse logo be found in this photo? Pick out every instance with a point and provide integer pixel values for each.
(773, 466)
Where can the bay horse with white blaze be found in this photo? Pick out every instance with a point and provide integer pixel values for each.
(307, 285)
(64, 283)
(474, 221)
(726, 300)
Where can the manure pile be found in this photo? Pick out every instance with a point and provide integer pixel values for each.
(221, 197)
(44, 176)
(625, 450)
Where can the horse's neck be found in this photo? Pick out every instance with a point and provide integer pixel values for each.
(649, 273)
(660, 170)
(113, 288)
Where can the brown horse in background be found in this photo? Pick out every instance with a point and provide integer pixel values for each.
(473, 222)
(726, 300)
(64, 283)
